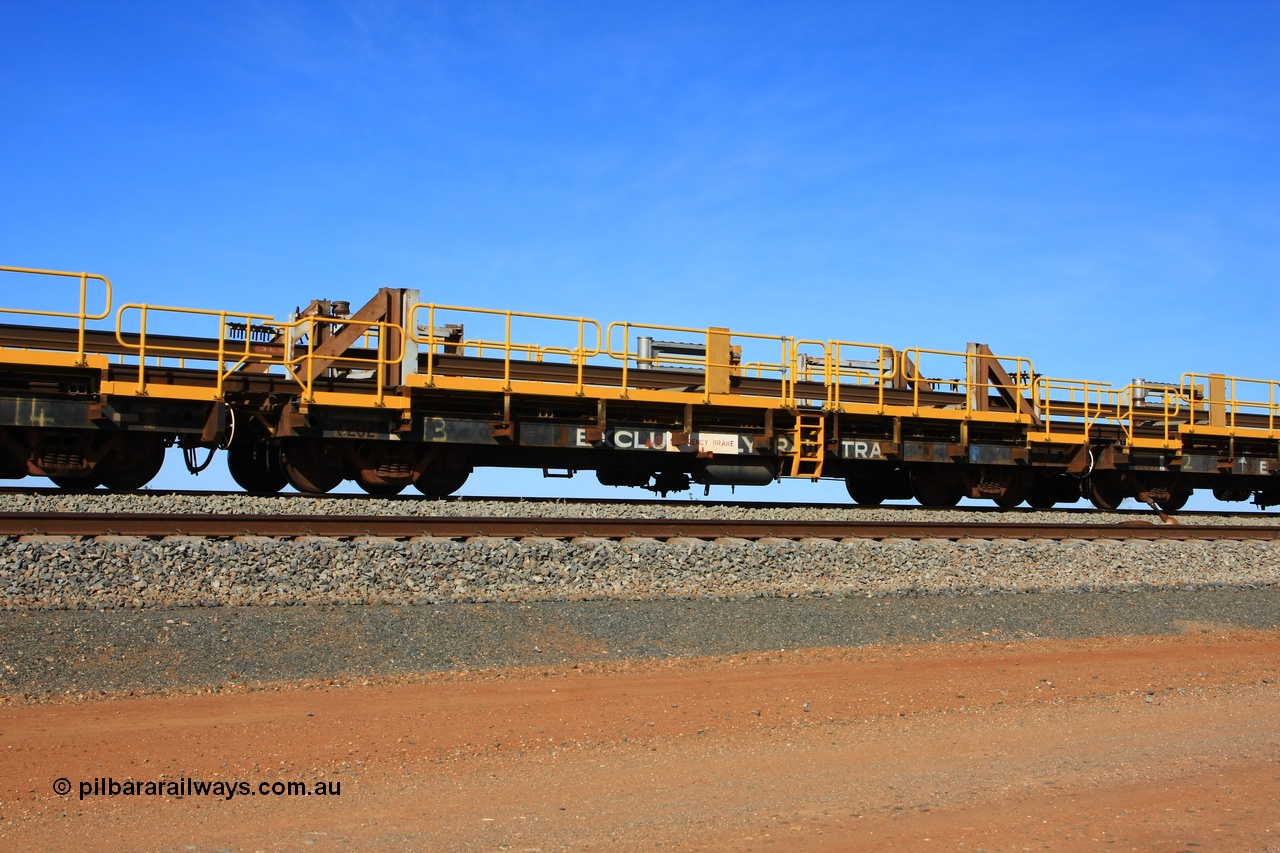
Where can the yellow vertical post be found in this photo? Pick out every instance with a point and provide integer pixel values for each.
(1218, 400)
(431, 345)
(506, 358)
(382, 363)
(142, 352)
(582, 354)
(222, 345)
(626, 354)
(718, 361)
(84, 288)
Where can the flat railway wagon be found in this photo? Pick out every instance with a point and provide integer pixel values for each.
(399, 392)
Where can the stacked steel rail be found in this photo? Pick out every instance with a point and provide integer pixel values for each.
(401, 392)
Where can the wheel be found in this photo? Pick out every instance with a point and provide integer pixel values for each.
(255, 466)
(1223, 493)
(1105, 492)
(865, 492)
(379, 489)
(132, 464)
(935, 488)
(441, 482)
(380, 467)
(11, 468)
(75, 485)
(1175, 501)
(1017, 483)
(309, 466)
(1042, 494)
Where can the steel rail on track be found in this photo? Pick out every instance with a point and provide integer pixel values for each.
(456, 527)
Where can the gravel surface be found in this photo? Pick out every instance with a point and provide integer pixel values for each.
(108, 612)
(44, 654)
(54, 501)
(39, 572)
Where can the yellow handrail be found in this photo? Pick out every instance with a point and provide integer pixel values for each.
(1022, 368)
(1237, 393)
(578, 356)
(1127, 404)
(81, 316)
(219, 354)
(1088, 390)
(835, 369)
(784, 367)
(299, 365)
(230, 359)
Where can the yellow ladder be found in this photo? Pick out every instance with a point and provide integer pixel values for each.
(808, 445)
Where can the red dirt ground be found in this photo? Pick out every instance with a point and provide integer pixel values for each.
(1166, 743)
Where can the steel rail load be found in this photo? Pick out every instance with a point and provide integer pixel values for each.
(400, 392)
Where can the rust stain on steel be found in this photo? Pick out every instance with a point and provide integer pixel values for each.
(453, 527)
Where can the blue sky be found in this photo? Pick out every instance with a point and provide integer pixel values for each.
(1095, 186)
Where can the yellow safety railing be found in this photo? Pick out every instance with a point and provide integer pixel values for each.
(80, 316)
(972, 385)
(299, 361)
(1084, 403)
(435, 344)
(1073, 401)
(190, 349)
(1229, 398)
(622, 351)
(298, 340)
(1131, 416)
(875, 365)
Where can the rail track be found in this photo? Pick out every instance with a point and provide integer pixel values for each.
(156, 525)
(1127, 514)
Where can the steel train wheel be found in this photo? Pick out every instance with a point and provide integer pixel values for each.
(1175, 501)
(75, 485)
(1041, 496)
(441, 482)
(379, 488)
(1016, 484)
(1106, 492)
(132, 464)
(380, 467)
(935, 487)
(255, 466)
(309, 466)
(865, 492)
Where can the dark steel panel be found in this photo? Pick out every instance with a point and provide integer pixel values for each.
(457, 431)
(918, 451)
(22, 411)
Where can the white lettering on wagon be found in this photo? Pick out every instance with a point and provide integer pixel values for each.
(629, 439)
(856, 449)
(727, 444)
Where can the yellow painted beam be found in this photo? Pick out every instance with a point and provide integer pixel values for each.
(28, 357)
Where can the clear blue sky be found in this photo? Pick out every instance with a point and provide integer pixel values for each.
(1093, 185)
